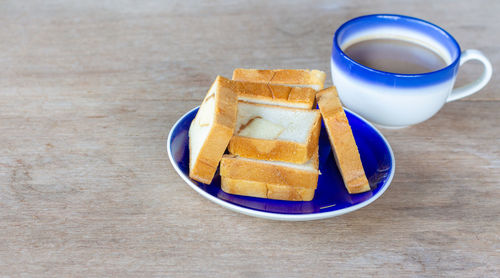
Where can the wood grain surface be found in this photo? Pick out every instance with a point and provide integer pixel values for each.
(90, 89)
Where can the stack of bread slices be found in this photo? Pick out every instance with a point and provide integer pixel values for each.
(266, 120)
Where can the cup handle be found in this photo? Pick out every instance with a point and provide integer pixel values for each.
(474, 86)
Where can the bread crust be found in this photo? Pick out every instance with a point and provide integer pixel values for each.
(277, 150)
(266, 190)
(215, 144)
(282, 76)
(276, 94)
(274, 150)
(342, 140)
(238, 168)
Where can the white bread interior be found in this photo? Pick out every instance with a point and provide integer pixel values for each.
(260, 128)
(212, 129)
(293, 124)
(201, 126)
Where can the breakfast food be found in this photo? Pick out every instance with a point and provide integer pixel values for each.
(266, 190)
(263, 93)
(211, 130)
(342, 141)
(290, 77)
(269, 179)
(280, 95)
(275, 133)
(264, 118)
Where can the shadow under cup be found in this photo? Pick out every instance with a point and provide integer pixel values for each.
(391, 99)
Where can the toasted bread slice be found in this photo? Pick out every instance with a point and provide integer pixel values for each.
(276, 94)
(290, 77)
(211, 130)
(343, 144)
(271, 172)
(269, 179)
(266, 190)
(275, 133)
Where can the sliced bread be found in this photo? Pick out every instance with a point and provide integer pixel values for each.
(211, 130)
(275, 133)
(290, 77)
(266, 190)
(275, 94)
(269, 179)
(343, 144)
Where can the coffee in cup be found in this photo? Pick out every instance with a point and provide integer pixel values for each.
(397, 71)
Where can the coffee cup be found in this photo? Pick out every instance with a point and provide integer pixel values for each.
(392, 99)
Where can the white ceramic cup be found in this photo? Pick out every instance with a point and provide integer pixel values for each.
(396, 100)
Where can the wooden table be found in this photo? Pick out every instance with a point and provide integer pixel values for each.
(89, 91)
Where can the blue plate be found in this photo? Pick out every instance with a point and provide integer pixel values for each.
(331, 198)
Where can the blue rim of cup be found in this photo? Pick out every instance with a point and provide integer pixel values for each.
(394, 17)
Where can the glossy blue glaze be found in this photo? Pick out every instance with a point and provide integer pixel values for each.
(381, 21)
(331, 194)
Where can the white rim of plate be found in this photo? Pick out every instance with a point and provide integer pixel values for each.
(281, 216)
